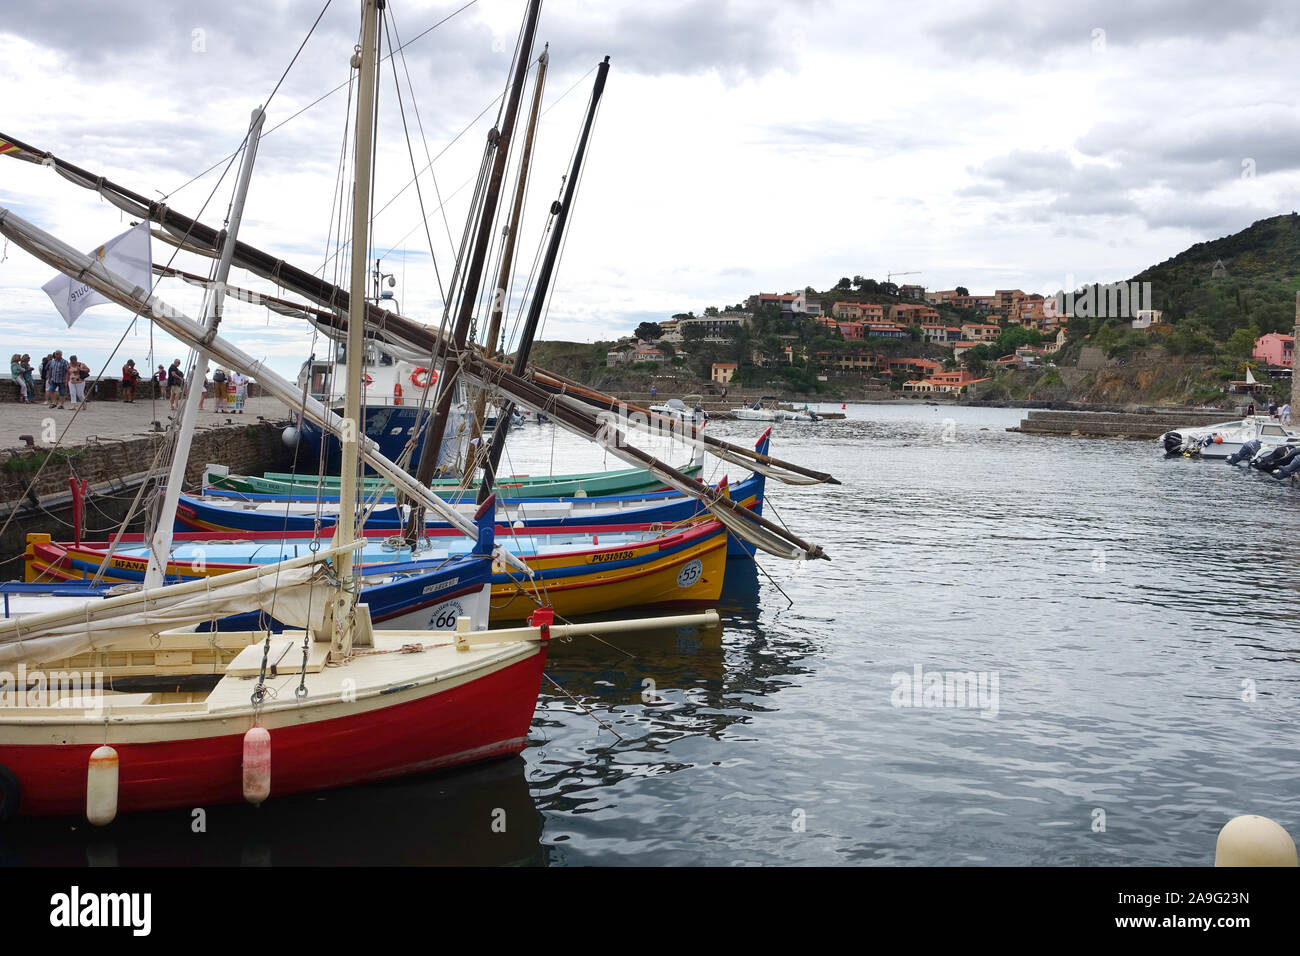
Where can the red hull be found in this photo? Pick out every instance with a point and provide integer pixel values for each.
(488, 717)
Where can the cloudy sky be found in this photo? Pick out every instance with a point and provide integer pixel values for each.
(741, 146)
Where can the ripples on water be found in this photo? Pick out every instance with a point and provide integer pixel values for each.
(1120, 598)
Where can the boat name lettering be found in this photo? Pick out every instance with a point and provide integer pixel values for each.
(440, 586)
(611, 556)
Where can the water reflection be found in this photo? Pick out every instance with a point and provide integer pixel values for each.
(481, 816)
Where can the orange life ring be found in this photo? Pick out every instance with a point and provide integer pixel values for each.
(397, 393)
(366, 379)
(419, 382)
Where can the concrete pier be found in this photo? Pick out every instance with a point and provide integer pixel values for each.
(1141, 424)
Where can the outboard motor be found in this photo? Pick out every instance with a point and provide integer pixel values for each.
(1290, 465)
(1271, 459)
(1173, 443)
(1247, 451)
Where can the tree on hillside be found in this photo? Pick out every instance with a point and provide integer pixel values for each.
(649, 332)
(844, 284)
(711, 310)
(693, 333)
(962, 290)
(1241, 343)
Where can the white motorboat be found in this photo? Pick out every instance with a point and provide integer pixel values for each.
(678, 410)
(756, 413)
(1225, 439)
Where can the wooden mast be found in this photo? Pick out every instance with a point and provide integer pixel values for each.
(524, 350)
(345, 529)
(160, 545)
(473, 277)
(507, 260)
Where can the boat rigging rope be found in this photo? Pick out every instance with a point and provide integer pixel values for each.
(319, 99)
(153, 290)
(410, 151)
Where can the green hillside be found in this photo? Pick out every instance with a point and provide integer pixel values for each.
(1263, 274)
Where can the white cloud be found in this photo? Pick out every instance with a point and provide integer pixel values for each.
(742, 146)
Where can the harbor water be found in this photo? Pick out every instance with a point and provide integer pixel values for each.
(1125, 625)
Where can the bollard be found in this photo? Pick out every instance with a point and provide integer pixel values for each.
(1252, 840)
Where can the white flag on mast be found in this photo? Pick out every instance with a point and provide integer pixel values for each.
(128, 255)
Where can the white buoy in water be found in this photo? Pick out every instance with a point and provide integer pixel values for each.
(101, 786)
(1251, 840)
(257, 765)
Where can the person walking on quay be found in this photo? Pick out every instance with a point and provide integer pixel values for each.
(240, 381)
(78, 372)
(1284, 413)
(45, 380)
(160, 382)
(1250, 410)
(27, 379)
(130, 378)
(207, 384)
(219, 398)
(57, 385)
(175, 384)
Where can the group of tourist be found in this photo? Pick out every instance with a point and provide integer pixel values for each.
(60, 379)
(60, 382)
(230, 389)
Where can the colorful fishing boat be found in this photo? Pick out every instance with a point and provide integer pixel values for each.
(578, 570)
(231, 512)
(362, 705)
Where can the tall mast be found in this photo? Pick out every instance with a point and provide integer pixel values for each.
(507, 256)
(460, 332)
(345, 530)
(160, 544)
(525, 348)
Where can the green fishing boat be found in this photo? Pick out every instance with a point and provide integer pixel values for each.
(627, 481)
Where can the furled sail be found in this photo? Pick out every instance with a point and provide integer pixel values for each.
(394, 328)
(296, 592)
(194, 236)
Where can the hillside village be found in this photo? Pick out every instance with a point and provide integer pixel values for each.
(903, 338)
(1191, 330)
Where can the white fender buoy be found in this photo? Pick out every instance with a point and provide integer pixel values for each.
(257, 765)
(290, 437)
(1252, 840)
(101, 786)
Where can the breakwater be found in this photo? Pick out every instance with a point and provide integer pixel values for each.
(1146, 423)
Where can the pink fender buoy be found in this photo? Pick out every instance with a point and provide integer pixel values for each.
(257, 765)
(101, 786)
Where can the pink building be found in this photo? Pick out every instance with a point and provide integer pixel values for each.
(1275, 349)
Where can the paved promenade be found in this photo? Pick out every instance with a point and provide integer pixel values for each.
(114, 420)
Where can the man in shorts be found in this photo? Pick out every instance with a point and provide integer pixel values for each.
(175, 384)
(57, 380)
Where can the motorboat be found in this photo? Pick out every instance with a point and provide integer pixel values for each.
(678, 410)
(1225, 439)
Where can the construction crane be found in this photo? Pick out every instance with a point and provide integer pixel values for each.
(889, 277)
